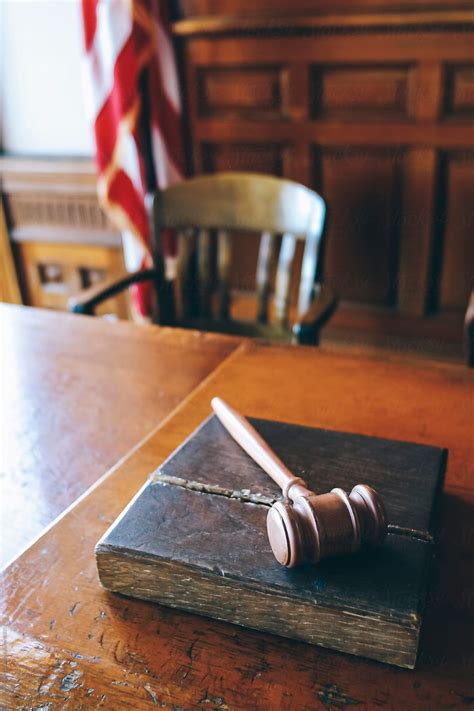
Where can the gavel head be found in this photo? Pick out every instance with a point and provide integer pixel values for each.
(312, 527)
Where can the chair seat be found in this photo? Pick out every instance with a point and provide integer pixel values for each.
(242, 321)
(244, 329)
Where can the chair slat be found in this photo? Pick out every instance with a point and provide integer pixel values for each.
(265, 257)
(204, 271)
(224, 259)
(308, 273)
(185, 295)
(237, 203)
(283, 278)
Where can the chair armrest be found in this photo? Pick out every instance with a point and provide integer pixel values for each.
(469, 331)
(86, 301)
(322, 307)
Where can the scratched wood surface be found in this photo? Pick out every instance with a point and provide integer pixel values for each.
(76, 394)
(70, 644)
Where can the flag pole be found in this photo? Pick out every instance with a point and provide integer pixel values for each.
(164, 311)
(144, 128)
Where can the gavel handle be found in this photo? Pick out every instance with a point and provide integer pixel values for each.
(256, 447)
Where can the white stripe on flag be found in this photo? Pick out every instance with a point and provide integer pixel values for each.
(167, 67)
(114, 26)
(129, 160)
(166, 172)
(133, 251)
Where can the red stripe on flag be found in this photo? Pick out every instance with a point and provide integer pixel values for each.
(142, 295)
(122, 192)
(89, 17)
(121, 98)
(165, 117)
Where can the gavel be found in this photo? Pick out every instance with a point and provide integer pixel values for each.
(304, 527)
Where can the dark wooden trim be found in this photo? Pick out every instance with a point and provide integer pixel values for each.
(355, 48)
(199, 8)
(417, 233)
(445, 326)
(325, 133)
(304, 24)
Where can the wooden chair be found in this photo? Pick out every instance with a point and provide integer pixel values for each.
(226, 203)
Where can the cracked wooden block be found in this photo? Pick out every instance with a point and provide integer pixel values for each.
(194, 538)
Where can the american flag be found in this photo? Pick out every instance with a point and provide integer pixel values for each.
(134, 103)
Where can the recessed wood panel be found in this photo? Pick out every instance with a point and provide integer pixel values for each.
(257, 158)
(457, 271)
(362, 190)
(460, 92)
(258, 92)
(353, 92)
(52, 273)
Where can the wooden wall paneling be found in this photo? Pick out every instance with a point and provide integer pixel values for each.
(189, 72)
(457, 268)
(361, 186)
(52, 273)
(61, 237)
(459, 98)
(362, 109)
(418, 215)
(204, 8)
(351, 93)
(245, 92)
(383, 47)
(298, 75)
(359, 133)
(253, 157)
(429, 90)
(286, 95)
(419, 206)
(298, 159)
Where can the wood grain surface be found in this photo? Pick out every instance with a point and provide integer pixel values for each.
(68, 644)
(76, 395)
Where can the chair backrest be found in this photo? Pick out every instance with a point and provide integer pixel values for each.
(240, 202)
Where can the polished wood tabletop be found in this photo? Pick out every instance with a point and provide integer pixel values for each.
(76, 394)
(69, 644)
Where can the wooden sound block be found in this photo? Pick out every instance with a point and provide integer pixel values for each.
(194, 538)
